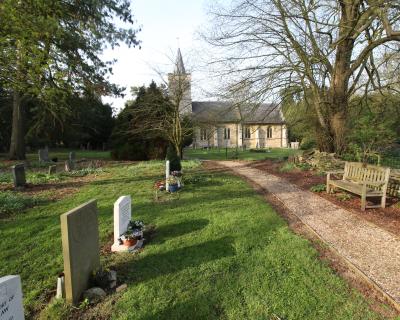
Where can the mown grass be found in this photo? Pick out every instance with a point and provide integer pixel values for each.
(233, 154)
(218, 252)
(13, 202)
(60, 154)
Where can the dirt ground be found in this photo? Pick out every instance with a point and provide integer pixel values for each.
(388, 218)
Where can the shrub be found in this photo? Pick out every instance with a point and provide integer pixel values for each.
(11, 202)
(5, 177)
(304, 166)
(344, 196)
(307, 144)
(141, 150)
(287, 167)
(174, 160)
(318, 188)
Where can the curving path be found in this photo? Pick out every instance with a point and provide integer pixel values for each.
(373, 251)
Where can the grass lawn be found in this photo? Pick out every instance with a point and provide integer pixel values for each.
(231, 154)
(62, 154)
(218, 252)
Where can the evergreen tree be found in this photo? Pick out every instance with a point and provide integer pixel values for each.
(50, 49)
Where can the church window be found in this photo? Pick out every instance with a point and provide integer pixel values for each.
(203, 134)
(269, 132)
(247, 133)
(227, 133)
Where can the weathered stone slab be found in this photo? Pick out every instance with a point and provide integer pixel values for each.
(122, 216)
(18, 173)
(80, 241)
(43, 155)
(11, 307)
(72, 156)
(52, 169)
(69, 166)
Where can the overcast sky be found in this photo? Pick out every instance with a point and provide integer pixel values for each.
(162, 22)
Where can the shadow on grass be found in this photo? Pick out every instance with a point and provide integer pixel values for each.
(205, 307)
(170, 231)
(156, 265)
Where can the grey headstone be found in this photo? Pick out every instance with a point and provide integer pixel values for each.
(53, 169)
(44, 155)
(18, 172)
(80, 241)
(72, 156)
(69, 166)
(11, 298)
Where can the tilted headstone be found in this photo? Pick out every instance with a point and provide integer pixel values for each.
(122, 216)
(44, 155)
(80, 242)
(72, 156)
(69, 166)
(52, 169)
(11, 307)
(167, 173)
(18, 173)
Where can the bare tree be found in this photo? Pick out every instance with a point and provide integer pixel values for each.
(331, 49)
(172, 120)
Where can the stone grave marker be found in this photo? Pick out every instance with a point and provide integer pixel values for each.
(11, 307)
(44, 155)
(52, 169)
(18, 173)
(80, 242)
(167, 173)
(69, 166)
(122, 216)
(72, 156)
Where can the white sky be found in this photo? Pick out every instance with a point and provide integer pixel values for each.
(162, 21)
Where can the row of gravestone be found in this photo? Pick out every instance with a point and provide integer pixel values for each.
(80, 245)
(18, 171)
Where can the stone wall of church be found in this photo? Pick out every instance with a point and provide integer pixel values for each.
(229, 135)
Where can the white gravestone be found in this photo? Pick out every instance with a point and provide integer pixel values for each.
(167, 172)
(122, 216)
(11, 307)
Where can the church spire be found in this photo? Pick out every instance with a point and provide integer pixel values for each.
(179, 66)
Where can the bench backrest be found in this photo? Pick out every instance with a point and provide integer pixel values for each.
(360, 172)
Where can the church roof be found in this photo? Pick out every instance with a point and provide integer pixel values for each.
(219, 111)
(179, 66)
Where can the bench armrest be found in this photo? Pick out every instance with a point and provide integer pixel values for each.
(329, 173)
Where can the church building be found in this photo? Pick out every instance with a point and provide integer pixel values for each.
(224, 124)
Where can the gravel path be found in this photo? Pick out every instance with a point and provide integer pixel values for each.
(372, 250)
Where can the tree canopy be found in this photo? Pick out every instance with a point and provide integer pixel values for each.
(331, 49)
(50, 49)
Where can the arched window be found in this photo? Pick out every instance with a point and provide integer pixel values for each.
(203, 134)
(247, 133)
(227, 133)
(269, 132)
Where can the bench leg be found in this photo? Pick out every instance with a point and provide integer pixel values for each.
(383, 201)
(363, 200)
(327, 184)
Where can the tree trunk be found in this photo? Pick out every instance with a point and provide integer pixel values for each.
(17, 145)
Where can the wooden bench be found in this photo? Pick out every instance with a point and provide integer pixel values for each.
(364, 180)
